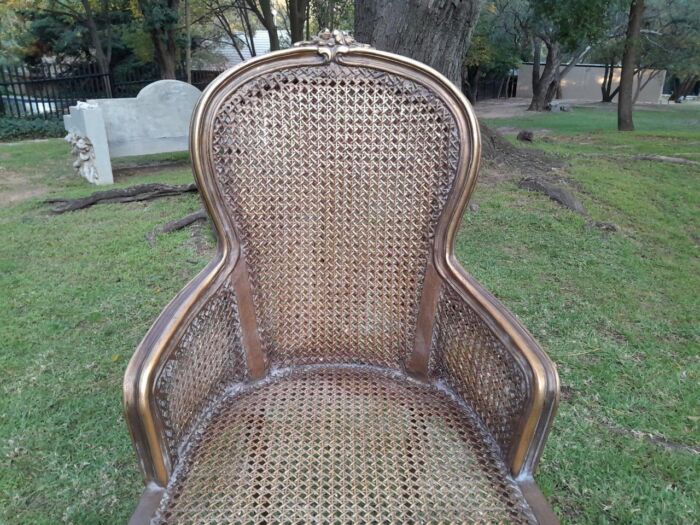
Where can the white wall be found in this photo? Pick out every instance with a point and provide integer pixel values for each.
(583, 83)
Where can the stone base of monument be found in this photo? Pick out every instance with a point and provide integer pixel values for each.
(155, 121)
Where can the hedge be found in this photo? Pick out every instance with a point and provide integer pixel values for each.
(37, 128)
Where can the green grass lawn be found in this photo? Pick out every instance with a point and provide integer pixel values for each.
(618, 312)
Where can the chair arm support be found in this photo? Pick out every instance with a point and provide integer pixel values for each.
(189, 353)
(495, 365)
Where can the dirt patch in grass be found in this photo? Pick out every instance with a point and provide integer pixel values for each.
(501, 154)
(500, 108)
(15, 187)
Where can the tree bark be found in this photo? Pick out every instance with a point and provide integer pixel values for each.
(536, 60)
(629, 61)
(435, 33)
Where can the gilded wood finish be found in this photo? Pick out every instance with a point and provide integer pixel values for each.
(444, 275)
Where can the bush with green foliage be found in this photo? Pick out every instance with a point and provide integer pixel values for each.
(37, 128)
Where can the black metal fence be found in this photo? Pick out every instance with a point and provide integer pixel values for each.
(47, 91)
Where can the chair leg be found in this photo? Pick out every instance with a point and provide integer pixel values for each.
(538, 503)
(148, 504)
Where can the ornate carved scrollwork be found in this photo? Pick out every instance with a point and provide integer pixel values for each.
(84, 156)
(330, 43)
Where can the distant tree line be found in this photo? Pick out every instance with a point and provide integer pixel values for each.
(642, 37)
(465, 39)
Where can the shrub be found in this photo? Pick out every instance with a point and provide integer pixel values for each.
(36, 128)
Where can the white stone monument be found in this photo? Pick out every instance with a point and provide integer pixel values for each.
(156, 121)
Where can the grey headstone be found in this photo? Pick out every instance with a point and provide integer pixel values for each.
(157, 120)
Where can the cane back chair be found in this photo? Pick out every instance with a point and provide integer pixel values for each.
(334, 363)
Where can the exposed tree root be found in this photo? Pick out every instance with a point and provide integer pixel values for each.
(142, 192)
(670, 160)
(554, 192)
(199, 215)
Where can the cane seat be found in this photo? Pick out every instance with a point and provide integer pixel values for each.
(334, 363)
(343, 445)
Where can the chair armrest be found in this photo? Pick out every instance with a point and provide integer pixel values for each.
(192, 351)
(494, 364)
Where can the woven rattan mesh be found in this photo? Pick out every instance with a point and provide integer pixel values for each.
(342, 445)
(335, 177)
(207, 358)
(474, 362)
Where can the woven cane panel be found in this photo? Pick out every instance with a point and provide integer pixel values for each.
(474, 362)
(335, 177)
(208, 357)
(342, 445)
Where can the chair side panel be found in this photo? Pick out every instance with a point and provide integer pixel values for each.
(335, 177)
(470, 358)
(207, 358)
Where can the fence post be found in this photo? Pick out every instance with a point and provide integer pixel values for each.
(2, 83)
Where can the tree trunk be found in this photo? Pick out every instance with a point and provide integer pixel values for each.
(542, 85)
(536, 59)
(552, 91)
(250, 32)
(325, 13)
(435, 33)
(681, 88)
(575, 59)
(267, 19)
(103, 59)
(161, 19)
(606, 87)
(165, 53)
(501, 84)
(297, 17)
(188, 49)
(629, 60)
(471, 76)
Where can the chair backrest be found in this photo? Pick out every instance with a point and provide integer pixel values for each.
(331, 166)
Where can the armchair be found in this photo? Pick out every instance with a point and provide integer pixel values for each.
(335, 363)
